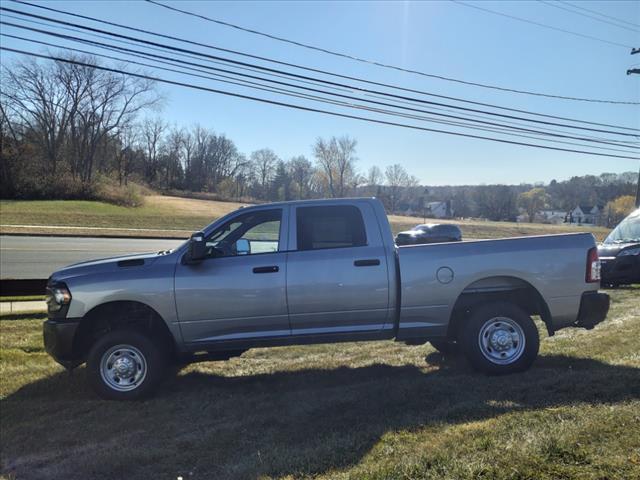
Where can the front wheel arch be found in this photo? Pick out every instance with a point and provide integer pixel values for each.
(121, 315)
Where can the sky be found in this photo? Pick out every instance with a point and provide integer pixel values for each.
(443, 38)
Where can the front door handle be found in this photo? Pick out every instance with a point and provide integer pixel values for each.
(269, 269)
(372, 262)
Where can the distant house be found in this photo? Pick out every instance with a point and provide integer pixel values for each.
(430, 210)
(589, 214)
(553, 216)
(544, 216)
(438, 210)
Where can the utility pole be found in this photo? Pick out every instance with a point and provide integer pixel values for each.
(634, 70)
(629, 72)
(638, 190)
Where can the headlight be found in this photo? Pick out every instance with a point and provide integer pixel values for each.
(630, 251)
(57, 296)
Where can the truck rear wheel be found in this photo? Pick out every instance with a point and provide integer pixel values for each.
(500, 338)
(124, 365)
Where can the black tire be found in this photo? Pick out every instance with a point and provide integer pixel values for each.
(142, 352)
(445, 347)
(508, 322)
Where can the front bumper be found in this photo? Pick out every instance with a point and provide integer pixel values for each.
(624, 269)
(58, 340)
(594, 307)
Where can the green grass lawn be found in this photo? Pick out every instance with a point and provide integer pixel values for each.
(165, 214)
(86, 213)
(376, 410)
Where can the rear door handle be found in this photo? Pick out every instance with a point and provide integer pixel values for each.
(269, 269)
(372, 262)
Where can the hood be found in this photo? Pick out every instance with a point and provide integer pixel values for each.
(107, 265)
(612, 249)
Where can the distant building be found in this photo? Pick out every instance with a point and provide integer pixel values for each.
(430, 210)
(438, 210)
(544, 216)
(588, 214)
(553, 216)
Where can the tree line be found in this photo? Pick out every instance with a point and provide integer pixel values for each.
(70, 131)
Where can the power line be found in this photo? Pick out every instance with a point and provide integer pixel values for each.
(315, 70)
(162, 59)
(544, 25)
(600, 13)
(471, 115)
(307, 109)
(502, 129)
(298, 76)
(125, 42)
(373, 62)
(104, 37)
(593, 17)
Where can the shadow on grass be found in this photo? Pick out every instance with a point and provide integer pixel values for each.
(301, 422)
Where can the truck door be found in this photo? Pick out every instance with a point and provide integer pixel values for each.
(239, 290)
(337, 279)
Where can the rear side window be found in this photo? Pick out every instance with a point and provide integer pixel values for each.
(329, 227)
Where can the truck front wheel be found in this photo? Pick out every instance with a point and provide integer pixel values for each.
(124, 365)
(500, 338)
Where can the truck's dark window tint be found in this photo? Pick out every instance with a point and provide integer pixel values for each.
(248, 234)
(329, 227)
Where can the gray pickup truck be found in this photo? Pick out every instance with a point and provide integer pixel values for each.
(311, 272)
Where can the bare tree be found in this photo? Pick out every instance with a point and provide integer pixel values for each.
(264, 162)
(301, 172)
(374, 176)
(346, 162)
(128, 137)
(397, 178)
(496, 202)
(172, 163)
(101, 101)
(336, 157)
(39, 105)
(220, 160)
(151, 132)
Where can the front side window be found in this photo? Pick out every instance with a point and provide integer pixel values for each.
(248, 234)
(329, 227)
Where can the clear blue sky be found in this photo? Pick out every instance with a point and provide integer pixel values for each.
(437, 37)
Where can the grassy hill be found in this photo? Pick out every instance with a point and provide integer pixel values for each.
(177, 217)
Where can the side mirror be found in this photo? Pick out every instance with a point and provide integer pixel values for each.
(197, 247)
(243, 246)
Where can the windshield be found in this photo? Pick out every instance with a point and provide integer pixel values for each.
(627, 231)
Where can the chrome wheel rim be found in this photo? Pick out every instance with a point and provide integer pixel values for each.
(501, 340)
(123, 368)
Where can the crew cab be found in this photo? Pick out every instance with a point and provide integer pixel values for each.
(309, 272)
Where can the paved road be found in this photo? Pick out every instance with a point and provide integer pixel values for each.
(38, 257)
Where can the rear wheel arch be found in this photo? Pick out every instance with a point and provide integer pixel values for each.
(122, 315)
(503, 289)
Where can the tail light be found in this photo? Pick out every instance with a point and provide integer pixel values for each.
(593, 266)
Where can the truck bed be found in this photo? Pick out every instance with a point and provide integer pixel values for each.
(435, 275)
